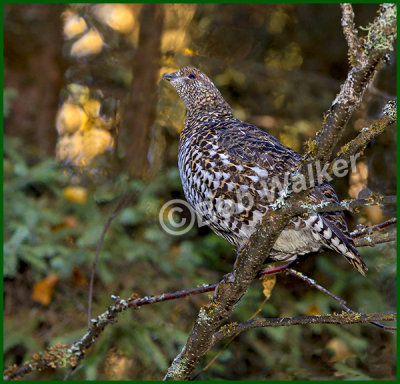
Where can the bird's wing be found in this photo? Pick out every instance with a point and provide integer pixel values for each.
(250, 145)
(246, 143)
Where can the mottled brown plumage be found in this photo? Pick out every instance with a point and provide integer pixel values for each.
(231, 171)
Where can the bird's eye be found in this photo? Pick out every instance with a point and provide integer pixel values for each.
(192, 76)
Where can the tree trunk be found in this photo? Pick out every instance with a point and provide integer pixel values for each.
(33, 66)
(140, 112)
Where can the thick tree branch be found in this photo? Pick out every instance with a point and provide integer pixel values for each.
(341, 319)
(376, 238)
(378, 42)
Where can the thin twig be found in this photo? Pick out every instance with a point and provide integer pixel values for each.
(123, 203)
(369, 230)
(350, 31)
(374, 239)
(341, 302)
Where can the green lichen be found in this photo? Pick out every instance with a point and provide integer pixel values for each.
(344, 149)
(382, 32)
(352, 61)
(390, 110)
(312, 147)
(228, 329)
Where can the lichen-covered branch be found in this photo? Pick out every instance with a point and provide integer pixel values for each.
(344, 205)
(369, 230)
(336, 318)
(376, 238)
(350, 32)
(341, 302)
(380, 39)
(359, 143)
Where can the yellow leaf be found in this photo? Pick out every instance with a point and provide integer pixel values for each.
(96, 142)
(70, 118)
(73, 24)
(189, 52)
(91, 43)
(75, 194)
(313, 310)
(339, 348)
(92, 108)
(268, 283)
(78, 93)
(69, 148)
(43, 289)
(116, 16)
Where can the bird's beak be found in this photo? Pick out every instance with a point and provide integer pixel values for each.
(170, 77)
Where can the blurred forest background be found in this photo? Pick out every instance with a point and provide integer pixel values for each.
(87, 119)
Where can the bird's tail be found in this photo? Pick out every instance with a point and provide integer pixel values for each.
(339, 239)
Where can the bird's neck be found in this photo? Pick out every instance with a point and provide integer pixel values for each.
(218, 109)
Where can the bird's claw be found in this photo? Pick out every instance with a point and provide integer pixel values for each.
(226, 279)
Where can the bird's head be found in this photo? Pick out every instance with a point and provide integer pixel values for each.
(196, 90)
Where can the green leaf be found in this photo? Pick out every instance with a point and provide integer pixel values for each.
(90, 236)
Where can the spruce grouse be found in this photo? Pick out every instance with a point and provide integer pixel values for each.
(229, 170)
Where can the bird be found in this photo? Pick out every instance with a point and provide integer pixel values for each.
(230, 171)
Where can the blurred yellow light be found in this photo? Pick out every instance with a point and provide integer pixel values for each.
(91, 43)
(116, 16)
(70, 118)
(73, 24)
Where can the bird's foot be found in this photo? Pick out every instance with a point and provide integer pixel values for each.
(271, 271)
(226, 279)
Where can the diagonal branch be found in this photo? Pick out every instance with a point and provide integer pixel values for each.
(383, 32)
(341, 302)
(359, 143)
(121, 205)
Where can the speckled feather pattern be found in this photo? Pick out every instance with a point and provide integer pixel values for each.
(228, 168)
